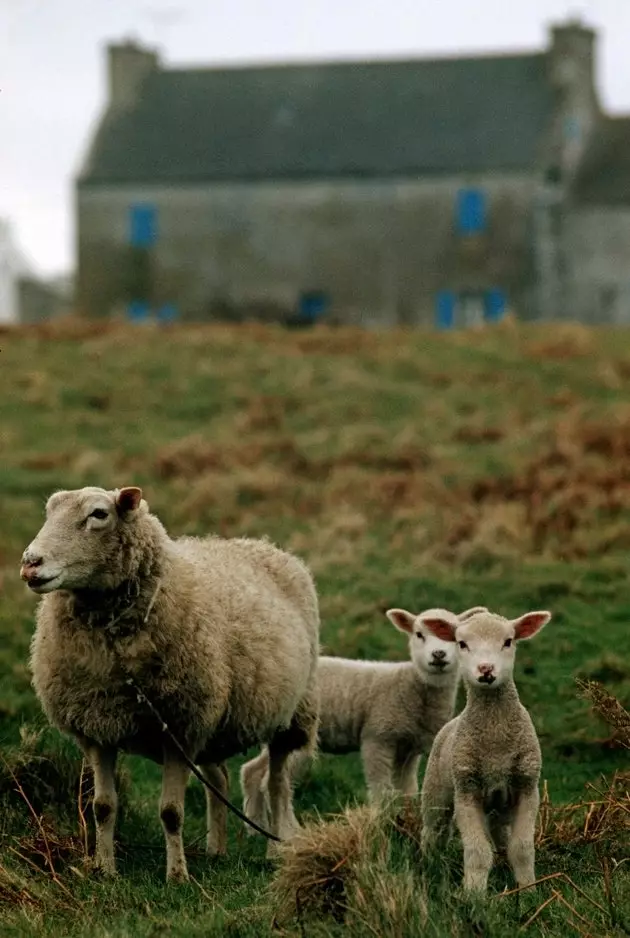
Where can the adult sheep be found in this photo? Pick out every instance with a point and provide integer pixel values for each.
(220, 634)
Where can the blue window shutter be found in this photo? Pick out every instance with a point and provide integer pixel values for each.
(494, 305)
(471, 211)
(142, 225)
(138, 311)
(445, 309)
(313, 305)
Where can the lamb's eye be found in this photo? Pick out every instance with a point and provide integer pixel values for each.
(420, 635)
(507, 643)
(99, 513)
(462, 645)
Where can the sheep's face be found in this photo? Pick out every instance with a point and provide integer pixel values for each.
(433, 657)
(81, 541)
(486, 644)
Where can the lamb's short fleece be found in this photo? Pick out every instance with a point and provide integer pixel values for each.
(221, 635)
(484, 766)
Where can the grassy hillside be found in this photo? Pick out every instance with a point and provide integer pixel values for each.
(409, 470)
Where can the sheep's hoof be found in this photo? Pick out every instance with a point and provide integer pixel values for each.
(178, 875)
(102, 870)
(216, 850)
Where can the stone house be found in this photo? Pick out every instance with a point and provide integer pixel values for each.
(383, 192)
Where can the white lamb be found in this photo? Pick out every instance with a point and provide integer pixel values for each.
(484, 766)
(221, 635)
(390, 711)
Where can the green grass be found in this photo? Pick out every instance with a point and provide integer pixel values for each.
(408, 469)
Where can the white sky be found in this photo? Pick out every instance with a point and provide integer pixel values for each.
(52, 75)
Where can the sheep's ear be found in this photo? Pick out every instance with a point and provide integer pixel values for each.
(526, 626)
(471, 612)
(440, 626)
(403, 620)
(128, 499)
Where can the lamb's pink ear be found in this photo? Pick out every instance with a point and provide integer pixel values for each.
(403, 620)
(440, 626)
(128, 499)
(526, 626)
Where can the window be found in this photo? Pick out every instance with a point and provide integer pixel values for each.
(445, 309)
(313, 305)
(142, 225)
(495, 304)
(471, 211)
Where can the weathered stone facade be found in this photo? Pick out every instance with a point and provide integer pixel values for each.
(374, 223)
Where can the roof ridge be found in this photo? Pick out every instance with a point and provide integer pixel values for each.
(297, 64)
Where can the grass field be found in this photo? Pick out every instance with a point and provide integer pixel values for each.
(408, 469)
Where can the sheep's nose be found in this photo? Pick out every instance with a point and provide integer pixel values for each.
(439, 655)
(30, 564)
(485, 668)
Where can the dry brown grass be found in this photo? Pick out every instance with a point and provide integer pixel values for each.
(601, 818)
(318, 867)
(609, 708)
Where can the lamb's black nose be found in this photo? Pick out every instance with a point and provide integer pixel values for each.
(439, 655)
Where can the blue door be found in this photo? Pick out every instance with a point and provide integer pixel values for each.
(445, 309)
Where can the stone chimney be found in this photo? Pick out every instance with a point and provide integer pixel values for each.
(571, 57)
(129, 65)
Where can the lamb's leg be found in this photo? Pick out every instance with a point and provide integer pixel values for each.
(254, 784)
(406, 775)
(478, 852)
(436, 805)
(217, 774)
(378, 766)
(520, 846)
(174, 780)
(103, 763)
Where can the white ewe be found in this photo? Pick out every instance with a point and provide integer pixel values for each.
(221, 635)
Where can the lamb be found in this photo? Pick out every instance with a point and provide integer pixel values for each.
(390, 711)
(221, 635)
(484, 766)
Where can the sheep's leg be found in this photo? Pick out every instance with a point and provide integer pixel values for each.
(103, 763)
(254, 784)
(378, 765)
(284, 823)
(174, 780)
(520, 846)
(288, 745)
(406, 775)
(436, 802)
(217, 774)
(478, 852)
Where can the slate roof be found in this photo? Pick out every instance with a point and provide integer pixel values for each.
(360, 119)
(604, 174)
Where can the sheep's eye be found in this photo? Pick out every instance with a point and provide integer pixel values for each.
(420, 635)
(507, 643)
(99, 513)
(462, 645)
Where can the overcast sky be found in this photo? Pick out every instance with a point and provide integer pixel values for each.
(52, 75)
